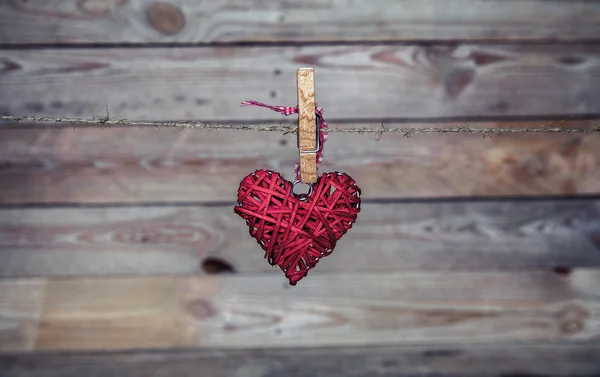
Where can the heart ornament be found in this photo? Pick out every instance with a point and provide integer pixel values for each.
(296, 231)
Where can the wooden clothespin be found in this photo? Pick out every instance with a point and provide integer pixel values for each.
(308, 137)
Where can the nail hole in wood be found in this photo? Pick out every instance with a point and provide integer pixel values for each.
(216, 266)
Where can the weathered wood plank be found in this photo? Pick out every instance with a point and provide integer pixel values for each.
(168, 165)
(21, 303)
(189, 21)
(501, 235)
(497, 235)
(560, 360)
(366, 82)
(327, 310)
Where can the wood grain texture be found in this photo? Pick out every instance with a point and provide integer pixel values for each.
(307, 123)
(518, 360)
(445, 236)
(189, 21)
(355, 82)
(21, 304)
(326, 310)
(168, 165)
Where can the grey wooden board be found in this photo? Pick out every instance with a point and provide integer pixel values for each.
(352, 82)
(548, 360)
(72, 21)
(399, 236)
(334, 310)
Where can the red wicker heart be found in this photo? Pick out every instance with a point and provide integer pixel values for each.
(297, 230)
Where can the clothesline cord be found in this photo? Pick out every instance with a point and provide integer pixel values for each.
(105, 122)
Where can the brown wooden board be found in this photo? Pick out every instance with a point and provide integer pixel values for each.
(558, 360)
(324, 310)
(169, 165)
(402, 236)
(352, 82)
(190, 21)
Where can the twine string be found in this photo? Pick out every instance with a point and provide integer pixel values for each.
(289, 110)
(464, 128)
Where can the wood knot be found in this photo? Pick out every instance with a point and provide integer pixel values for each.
(571, 60)
(572, 319)
(563, 271)
(166, 18)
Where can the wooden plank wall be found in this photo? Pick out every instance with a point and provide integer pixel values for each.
(472, 256)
